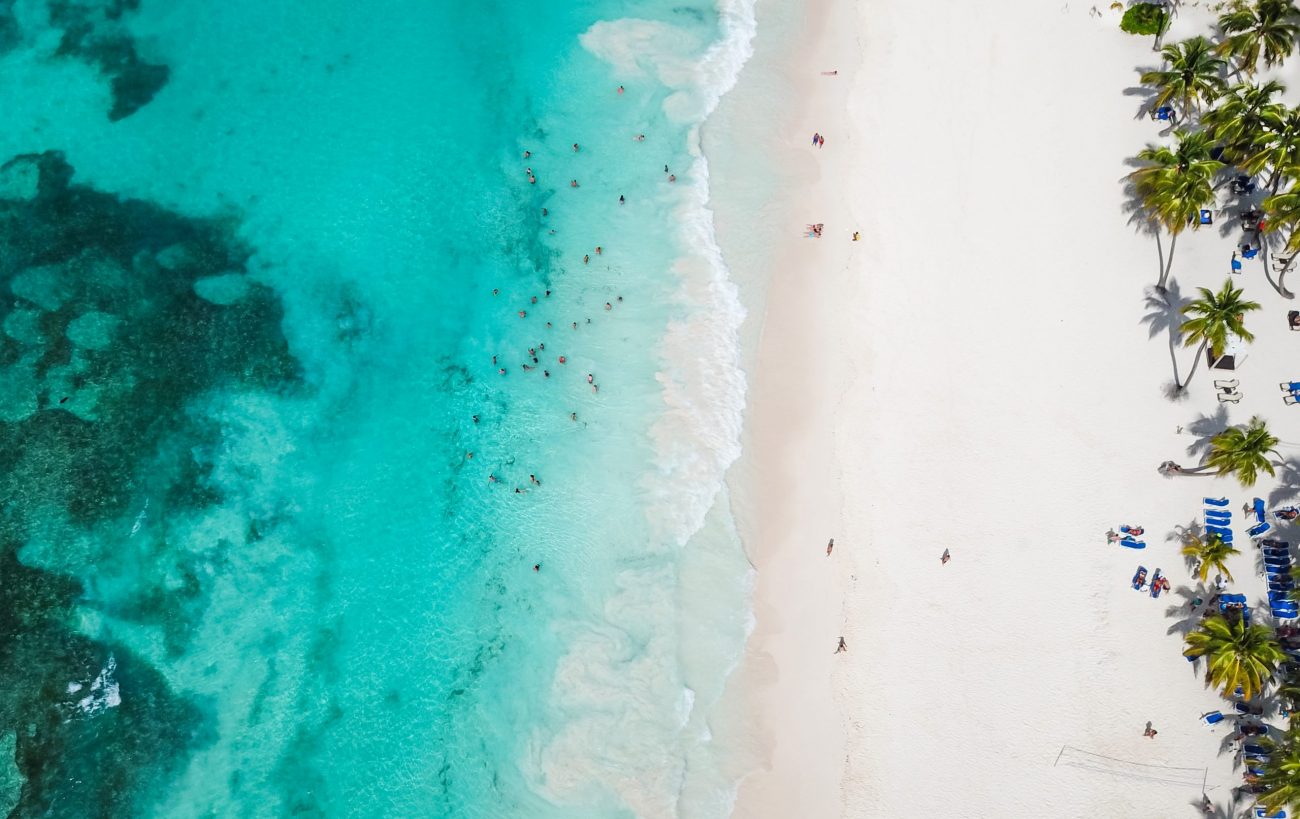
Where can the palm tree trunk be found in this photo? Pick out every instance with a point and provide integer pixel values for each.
(1195, 362)
(1169, 263)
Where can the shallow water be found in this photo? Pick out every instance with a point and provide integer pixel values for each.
(249, 565)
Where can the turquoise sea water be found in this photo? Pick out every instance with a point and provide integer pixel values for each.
(249, 566)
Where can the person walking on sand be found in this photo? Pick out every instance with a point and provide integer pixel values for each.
(816, 139)
(842, 647)
(829, 546)
(945, 557)
(1150, 733)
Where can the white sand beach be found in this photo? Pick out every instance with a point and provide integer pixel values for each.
(982, 372)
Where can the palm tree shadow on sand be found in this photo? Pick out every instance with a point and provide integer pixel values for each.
(1185, 615)
(1204, 429)
(1163, 315)
(1288, 484)
(1181, 535)
(1140, 218)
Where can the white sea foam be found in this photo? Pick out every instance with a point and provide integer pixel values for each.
(104, 692)
(625, 723)
(139, 519)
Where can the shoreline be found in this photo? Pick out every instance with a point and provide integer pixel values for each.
(758, 221)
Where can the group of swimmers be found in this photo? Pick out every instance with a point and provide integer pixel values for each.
(535, 352)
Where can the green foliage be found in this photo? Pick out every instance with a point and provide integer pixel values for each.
(1243, 451)
(1147, 19)
(1238, 654)
(1211, 552)
(1193, 74)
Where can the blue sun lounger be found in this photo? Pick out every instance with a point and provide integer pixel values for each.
(1262, 813)
(1216, 501)
(1213, 718)
(1236, 265)
(1165, 112)
(1260, 529)
(1224, 534)
(1220, 518)
(1132, 544)
(1259, 509)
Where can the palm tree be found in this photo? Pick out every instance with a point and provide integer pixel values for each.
(1212, 553)
(1239, 655)
(1277, 147)
(1239, 119)
(1267, 27)
(1281, 778)
(1193, 75)
(1243, 451)
(1174, 184)
(1283, 211)
(1217, 315)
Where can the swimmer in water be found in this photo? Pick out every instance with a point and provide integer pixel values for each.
(620, 89)
(598, 250)
(590, 378)
(523, 314)
(672, 177)
(585, 258)
(609, 306)
(639, 137)
(621, 200)
(575, 147)
(573, 183)
(527, 154)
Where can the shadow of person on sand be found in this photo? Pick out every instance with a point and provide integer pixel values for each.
(1211, 810)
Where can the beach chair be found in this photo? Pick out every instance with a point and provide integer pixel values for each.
(1218, 515)
(1290, 399)
(1262, 813)
(1236, 265)
(1290, 386)
(1249, 252)
(1140, 578)
(1293, 319)
(1260, 529)
(1259, 509)
(1229, 397)
(1226, 384)
(1164, 113)
(1207, 218)
(1132, 544)
(1216, 501)
(1213, 718)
